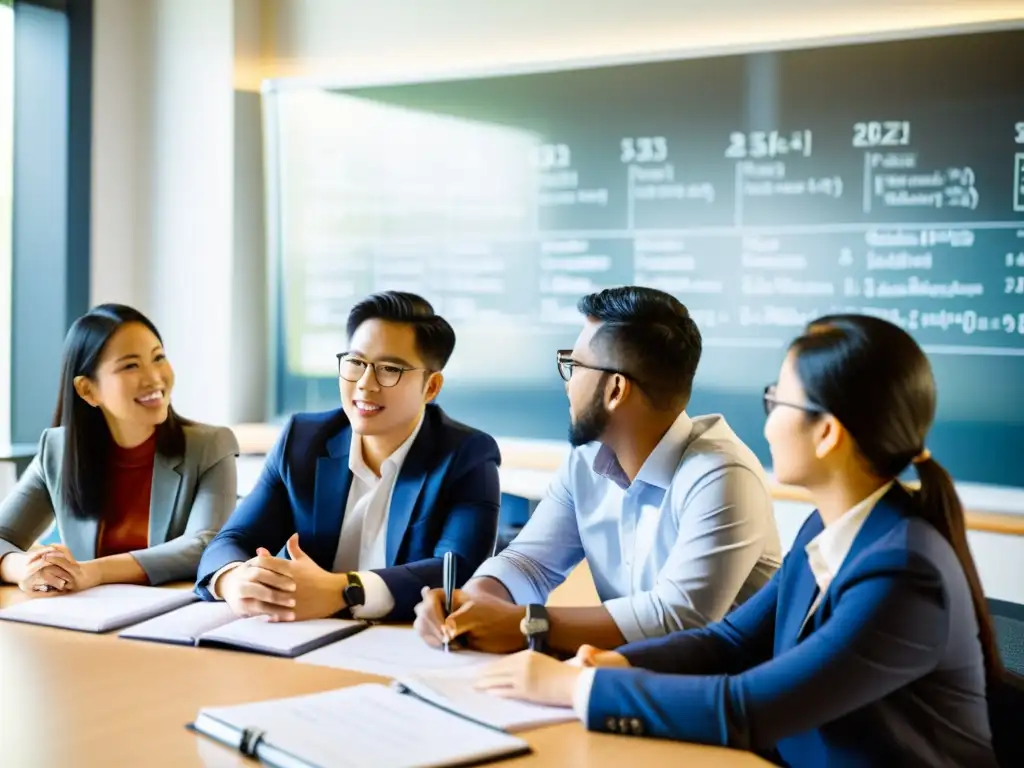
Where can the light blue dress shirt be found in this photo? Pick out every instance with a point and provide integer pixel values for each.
(689, 539)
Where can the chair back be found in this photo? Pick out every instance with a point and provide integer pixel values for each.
(1006, 704)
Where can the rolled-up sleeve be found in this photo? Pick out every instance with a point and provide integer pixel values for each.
(546, 549)
(724, 526)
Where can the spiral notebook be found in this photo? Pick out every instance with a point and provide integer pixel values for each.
(362, 725)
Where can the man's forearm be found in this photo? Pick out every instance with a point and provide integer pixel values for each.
(572, 627)
(488, 586)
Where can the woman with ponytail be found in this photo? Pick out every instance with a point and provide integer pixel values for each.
(872, 645)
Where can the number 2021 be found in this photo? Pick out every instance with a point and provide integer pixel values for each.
(885, 133)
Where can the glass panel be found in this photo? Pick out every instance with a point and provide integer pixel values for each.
(6, 191)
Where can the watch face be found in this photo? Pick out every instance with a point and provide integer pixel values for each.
(533, 626)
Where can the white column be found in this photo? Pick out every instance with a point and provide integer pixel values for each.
(192, 207)
(163, 183)
(121, 152)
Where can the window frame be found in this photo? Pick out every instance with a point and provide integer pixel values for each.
(51, 211)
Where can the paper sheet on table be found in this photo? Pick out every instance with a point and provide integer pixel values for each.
(392, 652)
(454, 690)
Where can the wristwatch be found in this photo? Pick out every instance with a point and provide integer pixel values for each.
(535, 627)
(354, 593)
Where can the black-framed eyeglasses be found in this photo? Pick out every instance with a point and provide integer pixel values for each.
(352, 368)
(566, 365)
(771, 403)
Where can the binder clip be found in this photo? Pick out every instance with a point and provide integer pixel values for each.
(251, 738)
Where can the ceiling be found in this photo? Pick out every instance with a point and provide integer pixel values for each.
(394, 38)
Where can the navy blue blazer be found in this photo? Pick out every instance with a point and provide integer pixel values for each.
(888, 670)
(446, 498)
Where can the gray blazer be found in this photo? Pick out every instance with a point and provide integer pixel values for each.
(192, 496)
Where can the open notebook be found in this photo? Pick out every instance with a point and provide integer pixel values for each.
(100, 609)
(213, 624)
(363, 725)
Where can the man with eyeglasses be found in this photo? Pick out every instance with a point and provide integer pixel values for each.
(369, 498)
(672, 513)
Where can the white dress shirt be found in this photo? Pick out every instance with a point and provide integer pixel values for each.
(363, 538)
(825, 555)
(692, 536)
(827, 551)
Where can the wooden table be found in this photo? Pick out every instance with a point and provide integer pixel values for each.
(83, 700)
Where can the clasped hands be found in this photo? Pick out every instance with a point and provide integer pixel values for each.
(491, 625)
(50, 570)
(283, 590)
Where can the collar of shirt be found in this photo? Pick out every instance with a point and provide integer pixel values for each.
(659, 468)
(390, 466)
(827, 551)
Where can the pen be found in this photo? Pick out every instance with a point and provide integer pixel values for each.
(448, 582)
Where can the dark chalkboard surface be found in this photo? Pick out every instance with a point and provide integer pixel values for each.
(762, 190)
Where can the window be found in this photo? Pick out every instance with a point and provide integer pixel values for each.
(6, 197)
(48, 276)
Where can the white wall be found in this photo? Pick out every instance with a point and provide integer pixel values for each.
(192, 187)
(163, 180)
(122, 149)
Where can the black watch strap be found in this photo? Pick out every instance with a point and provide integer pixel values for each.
(354, 593)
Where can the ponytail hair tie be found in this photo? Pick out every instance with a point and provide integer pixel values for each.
(922, 457)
